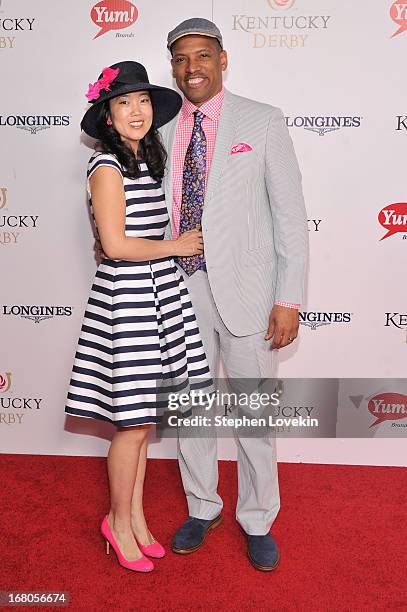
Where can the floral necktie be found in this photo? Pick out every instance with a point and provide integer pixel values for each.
(193, 191)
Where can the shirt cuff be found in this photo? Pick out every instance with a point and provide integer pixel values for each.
(288, 305)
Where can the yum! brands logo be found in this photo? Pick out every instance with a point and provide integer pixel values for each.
(393, 218)
(398, 12)
(113, 15)
(388, 407)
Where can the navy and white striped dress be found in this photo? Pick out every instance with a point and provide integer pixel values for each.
(139, 336)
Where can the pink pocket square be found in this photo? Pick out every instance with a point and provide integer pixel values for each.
(242, 147)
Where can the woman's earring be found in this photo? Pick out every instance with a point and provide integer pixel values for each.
(109, 122)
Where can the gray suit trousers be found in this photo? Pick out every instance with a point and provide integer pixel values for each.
(243, 357)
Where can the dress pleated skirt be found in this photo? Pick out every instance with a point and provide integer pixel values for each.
(139, 342)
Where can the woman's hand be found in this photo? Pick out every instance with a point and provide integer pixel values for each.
(189, 243)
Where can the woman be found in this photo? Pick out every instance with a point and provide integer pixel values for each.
(139, 333)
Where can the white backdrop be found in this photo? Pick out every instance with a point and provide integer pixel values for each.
(326, 64)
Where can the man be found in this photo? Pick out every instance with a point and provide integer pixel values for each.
(232, 170)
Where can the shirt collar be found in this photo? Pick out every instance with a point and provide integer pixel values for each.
(211, 108)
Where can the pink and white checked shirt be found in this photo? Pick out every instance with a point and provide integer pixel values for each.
(211, 109)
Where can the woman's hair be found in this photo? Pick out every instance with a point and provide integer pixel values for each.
(150, 148)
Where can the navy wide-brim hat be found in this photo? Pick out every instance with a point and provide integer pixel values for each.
(126, 77)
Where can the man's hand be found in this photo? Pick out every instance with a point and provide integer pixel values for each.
(98, 250)
(283, 326)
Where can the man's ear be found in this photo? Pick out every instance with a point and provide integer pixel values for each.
(223, 59)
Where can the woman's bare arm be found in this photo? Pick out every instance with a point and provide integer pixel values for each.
(109, 207)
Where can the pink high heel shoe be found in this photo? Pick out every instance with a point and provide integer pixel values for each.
(140, 565)
(154, 550)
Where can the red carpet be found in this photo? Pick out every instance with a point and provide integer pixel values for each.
(342, 534)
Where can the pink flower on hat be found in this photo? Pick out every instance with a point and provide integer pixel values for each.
(94, 91)
(108, 76)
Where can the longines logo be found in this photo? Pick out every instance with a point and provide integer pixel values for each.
(317, 319)
(401, 123)
(398, 320)
(114, 15)
(12, 227)
(10, 25)
(37, 313)
(321, 125)
(34, 123)
(282, 28)
(14, 409)
(393, 218)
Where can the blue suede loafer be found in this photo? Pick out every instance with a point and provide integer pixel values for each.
(262, 552)
(191, 535)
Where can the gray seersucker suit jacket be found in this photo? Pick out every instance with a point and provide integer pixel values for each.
(254, 221)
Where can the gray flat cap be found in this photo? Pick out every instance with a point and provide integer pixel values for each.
(196, 25)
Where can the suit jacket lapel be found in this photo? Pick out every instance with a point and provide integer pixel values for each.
(223, 144)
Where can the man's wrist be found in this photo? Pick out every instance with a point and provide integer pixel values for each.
(287, 304)
(171, 247)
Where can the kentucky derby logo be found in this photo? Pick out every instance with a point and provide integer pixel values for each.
(13, 25)
(318, 319)
(394, 219)
(13, 408)
(398, 320)
(18, 24)
(398, 12)
(401, 123)
(322, 125)
(3, 197)
(113, 15)
(313, 225)
(280, 4)
(281, 28)
(388, 407)
(5, 382)
(12, 227)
